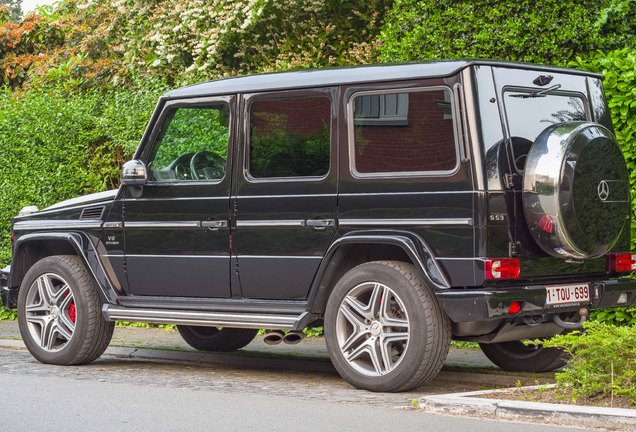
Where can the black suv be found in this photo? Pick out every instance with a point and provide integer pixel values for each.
(402, 206)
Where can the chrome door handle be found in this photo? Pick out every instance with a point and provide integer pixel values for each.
(213, 225)
(320, 224)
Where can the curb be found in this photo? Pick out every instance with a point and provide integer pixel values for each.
(468, 404)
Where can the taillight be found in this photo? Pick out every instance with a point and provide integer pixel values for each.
(621, 262)
(515, 307)
(502, 268)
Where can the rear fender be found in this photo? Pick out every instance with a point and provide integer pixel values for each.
(419, 253)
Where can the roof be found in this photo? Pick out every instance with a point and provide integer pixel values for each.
(346, 75)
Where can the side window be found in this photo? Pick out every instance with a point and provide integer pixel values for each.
(403, 132)
(192, 145)
(290, 137)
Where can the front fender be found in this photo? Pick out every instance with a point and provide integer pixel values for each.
(82, 246)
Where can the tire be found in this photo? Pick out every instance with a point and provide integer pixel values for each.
(516, 357)
(216, 339)
(421, 331)
(59, 312)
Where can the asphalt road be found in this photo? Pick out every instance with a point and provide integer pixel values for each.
(150, 381)
(50, 403)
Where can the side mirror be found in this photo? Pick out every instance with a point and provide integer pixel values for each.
(134, 173)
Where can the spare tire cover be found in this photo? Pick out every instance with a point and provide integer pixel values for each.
(576, 190)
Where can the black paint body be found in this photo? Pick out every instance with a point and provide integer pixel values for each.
(270, 257)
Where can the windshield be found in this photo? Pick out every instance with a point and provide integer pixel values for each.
(528, 116)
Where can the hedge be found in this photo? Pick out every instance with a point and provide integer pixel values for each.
(55, 146)
(547, 31)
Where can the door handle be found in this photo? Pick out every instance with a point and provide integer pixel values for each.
(320, 224)
(213, 225)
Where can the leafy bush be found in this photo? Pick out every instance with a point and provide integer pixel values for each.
(616, 316)
(550, 31)
(81, 44)
(8, 314)
(55, 146)
(603, 361)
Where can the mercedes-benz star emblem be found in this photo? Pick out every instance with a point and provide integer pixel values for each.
(603, 190)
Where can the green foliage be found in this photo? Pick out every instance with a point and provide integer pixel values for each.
(55, 146)
(603, 361)
(183, 41)
(620, 316)
(550, 31)
(14, 10)
(192, 130)
(287, 155)
(8, 314)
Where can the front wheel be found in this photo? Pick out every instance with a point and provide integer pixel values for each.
(59, 312)
(516, 356)
(384, 329)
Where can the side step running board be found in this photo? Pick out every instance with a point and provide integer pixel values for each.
(204, 318)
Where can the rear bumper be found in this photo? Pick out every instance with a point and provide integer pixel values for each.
(466, 305)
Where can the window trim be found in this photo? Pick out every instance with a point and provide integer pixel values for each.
(401, 174)
(382, 119)
(170, 105)
(285, 94)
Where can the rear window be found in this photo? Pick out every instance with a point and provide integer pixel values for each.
(403, 132)
(290, 137)
(528, 114)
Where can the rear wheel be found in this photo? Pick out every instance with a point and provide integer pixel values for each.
(216, 339)
(515, 356)
(59, 312)
(384, 328)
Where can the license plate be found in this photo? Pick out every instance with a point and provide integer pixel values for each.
(565, 294)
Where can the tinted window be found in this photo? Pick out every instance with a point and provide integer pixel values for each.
(404, 132)
(528, 116)
(290, 137)
(192, 145)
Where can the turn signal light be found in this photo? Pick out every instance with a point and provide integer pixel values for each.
(502, 268)
(622, 262)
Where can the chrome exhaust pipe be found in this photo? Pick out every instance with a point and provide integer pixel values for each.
(274, 337)
(293, 337)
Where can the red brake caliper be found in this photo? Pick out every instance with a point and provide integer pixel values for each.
(72, 313)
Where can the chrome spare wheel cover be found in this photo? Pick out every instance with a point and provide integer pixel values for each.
(50, 312)
(372, 329)
(576, 190)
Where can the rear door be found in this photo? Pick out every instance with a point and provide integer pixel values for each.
(404, 170)
(285, 196)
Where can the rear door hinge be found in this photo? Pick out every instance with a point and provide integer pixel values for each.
(509, 181)
(514, 249)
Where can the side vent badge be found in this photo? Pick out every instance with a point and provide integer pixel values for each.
(92, 213)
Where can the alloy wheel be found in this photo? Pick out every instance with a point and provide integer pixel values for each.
(372, 329)
(50, 312)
